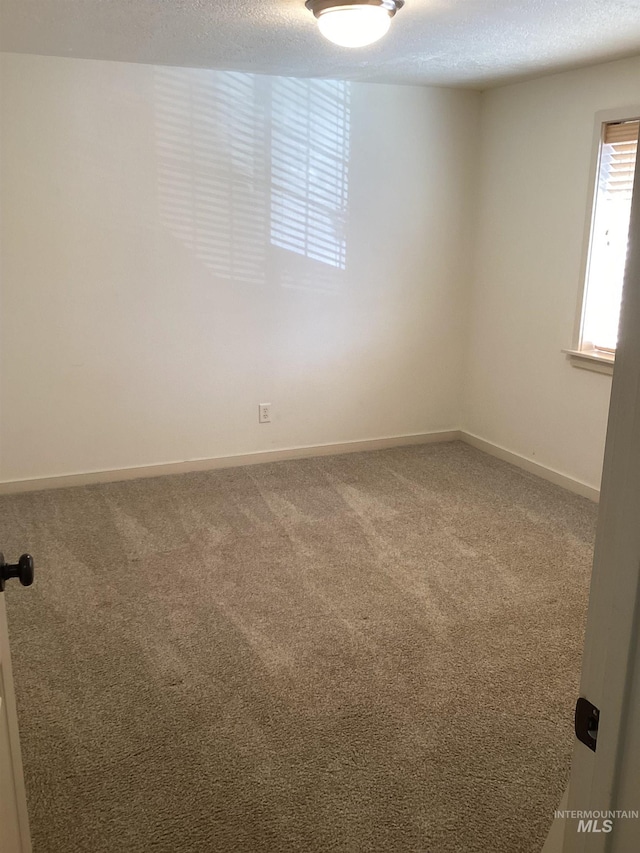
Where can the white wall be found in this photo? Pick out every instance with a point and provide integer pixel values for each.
(130, 334)
(146, 311)
(535, 149)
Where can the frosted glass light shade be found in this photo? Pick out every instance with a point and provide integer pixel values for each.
(354, 26)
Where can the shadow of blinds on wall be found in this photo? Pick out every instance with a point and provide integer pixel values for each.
(212, 193)
(248, 166)
(310, 144)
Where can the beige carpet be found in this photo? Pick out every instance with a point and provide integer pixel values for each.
(373, 652)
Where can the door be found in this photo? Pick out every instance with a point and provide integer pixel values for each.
(14, 824)
(608, 779)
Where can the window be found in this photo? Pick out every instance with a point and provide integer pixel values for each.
(607, 245)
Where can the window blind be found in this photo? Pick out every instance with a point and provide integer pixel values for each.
(619, 158)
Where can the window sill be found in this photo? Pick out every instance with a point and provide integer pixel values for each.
(595, 360)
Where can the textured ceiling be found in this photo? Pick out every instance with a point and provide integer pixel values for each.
(476, 43)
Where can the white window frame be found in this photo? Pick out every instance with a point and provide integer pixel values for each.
(595, 360)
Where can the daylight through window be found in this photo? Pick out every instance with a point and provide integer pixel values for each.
(609, 237)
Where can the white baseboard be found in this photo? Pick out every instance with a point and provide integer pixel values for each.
(573, 485)
(91, 477)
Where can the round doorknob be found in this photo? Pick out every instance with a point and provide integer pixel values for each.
(26, 569)
(23, 570)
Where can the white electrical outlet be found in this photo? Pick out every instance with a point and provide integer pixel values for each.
(264, 413)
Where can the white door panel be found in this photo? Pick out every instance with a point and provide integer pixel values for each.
(609, 778)
(14, 826)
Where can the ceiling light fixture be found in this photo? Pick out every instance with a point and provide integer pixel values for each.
(356, 23)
